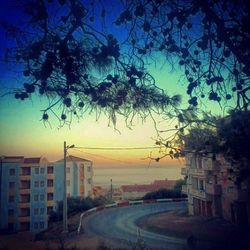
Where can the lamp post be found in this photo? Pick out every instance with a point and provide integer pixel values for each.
(111, 190)
(65, 208)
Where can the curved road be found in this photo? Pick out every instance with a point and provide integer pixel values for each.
(116, 226)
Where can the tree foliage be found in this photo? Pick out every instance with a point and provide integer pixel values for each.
(78, 66)
(230, 138)
(68, 55)
(163, 193)
(76, 205)
(234, 136)
(208, 39)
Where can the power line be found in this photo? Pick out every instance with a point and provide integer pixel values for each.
(108, 158)
(120, 148)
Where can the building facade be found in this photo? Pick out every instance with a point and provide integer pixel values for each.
(31, 187)
(79, 178)
(212, 193)
(26, 193)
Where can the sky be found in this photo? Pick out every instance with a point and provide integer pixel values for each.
(22, 132)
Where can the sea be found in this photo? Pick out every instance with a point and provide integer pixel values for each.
(136, 175)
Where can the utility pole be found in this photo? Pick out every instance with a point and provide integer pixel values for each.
(65, 206)
(111, 190)
(65, 217)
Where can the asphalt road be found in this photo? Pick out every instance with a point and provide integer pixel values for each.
(116, 226)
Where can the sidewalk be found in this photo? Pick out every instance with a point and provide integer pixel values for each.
(210, 231)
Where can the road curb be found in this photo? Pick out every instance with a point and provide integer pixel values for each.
(124, 203)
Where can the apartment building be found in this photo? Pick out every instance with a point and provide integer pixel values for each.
(26, 193)
(79, 175)
(211, 192)
(31, 187)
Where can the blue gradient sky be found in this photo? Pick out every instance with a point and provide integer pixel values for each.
(23, 133)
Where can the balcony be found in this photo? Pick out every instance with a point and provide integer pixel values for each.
(50, 189)
(50, 203)
(197, 172)
(213, 189)
(184, 189)
(209, 164)
(24, 204)
(25, 177)
(24, 218)
(184, 171)
(24, 191)
(50, 176)
(198, 193)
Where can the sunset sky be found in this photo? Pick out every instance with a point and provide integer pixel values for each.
(22, 131)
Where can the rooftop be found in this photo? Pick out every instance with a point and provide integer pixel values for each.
(33, 160)
(71, 158)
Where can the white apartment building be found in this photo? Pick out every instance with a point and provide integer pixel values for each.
(79, 174)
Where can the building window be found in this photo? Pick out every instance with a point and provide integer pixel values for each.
(42, 170)
(89, 168)
(50, 170)
(36, 183)
(36, 197)
(68, 170)
(49, 210)
(36, 170)
(11, 198)
(230, 189)
(36, 210)
(24, 198)
(41, 225)
(50, 196)
(12, 171)
(41, 183)
(201, 185)
(41, 197)
(11, 185)
(41, 210)
(68, 182)
(89, 180)
(35, 225)
(49, 183)
(10, 212)
(11, 226)
(24, 212)
(68, 194)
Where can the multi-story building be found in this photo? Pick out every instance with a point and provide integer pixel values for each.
(79, 174)
(26, 193)
(31, 187)
(211, 192)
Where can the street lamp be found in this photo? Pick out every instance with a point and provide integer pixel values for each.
(65, 217)
(111, 190)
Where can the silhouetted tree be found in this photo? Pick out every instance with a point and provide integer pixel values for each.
(230, 138)
(208, 39)
(68, 55)
(70, 52)
(65, 56)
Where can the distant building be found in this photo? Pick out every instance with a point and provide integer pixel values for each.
(31, 187)
(138, 191)
(116, 194)
(211, 192)
(99, 191)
